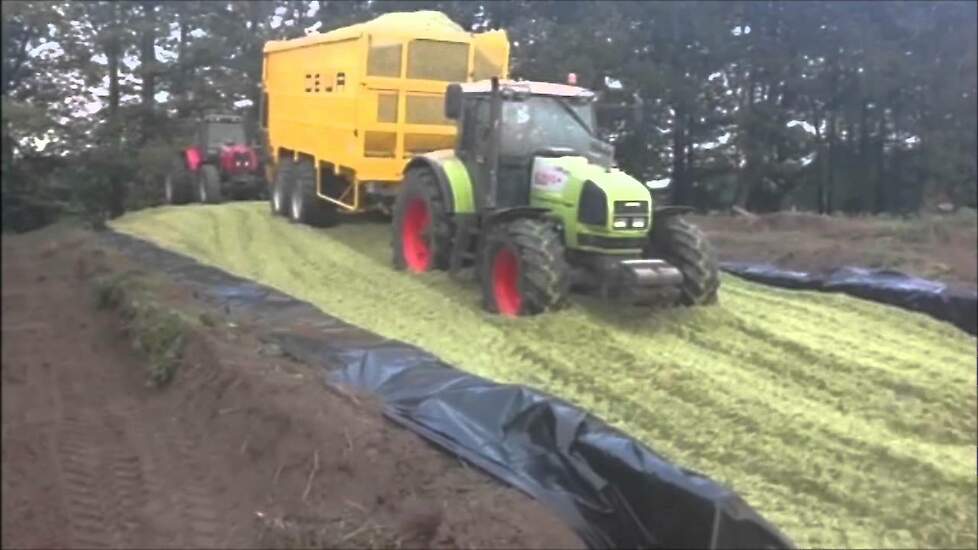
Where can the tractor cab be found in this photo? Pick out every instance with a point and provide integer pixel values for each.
(536, 120)
(219, 131)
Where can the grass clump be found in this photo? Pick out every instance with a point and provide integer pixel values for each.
(158, 332)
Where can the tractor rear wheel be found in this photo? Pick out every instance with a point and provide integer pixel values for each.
(422, 235)
(683, 245)
(281, 192)
(176, 187)
(305, 206)
(523, 269)
(209, 185)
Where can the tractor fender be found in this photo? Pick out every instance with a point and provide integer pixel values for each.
(193, 158)
(436, 168)
(666, 211)
(507, 214)
(452, 177)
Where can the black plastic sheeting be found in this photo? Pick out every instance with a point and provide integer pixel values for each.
(954, 305)
(612, 490)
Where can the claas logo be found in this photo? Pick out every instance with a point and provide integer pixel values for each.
(550, 177)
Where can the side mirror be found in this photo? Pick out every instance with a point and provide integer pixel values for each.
(453, 101)
(658, 184)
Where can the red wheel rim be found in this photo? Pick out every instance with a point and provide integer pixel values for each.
(506, 282)
(417, 252)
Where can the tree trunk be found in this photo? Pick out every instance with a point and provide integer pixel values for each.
(745, 176)
(680, 184)
(865, 161)
(881, 198)
(688, 164)
(256, 76)
(180, 77)
(147, 59)
(113, 51)
(115, 205)
(820, 167)
(830, 184)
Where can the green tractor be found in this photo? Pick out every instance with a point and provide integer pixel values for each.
(530, 198)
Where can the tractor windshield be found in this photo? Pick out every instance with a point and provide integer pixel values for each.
(220, 133)
(540, 122)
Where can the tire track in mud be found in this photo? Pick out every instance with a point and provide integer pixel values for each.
(102, 480)
(103, 485)
(117, 487)
(785, 396)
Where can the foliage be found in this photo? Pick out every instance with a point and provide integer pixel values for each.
(850, 106)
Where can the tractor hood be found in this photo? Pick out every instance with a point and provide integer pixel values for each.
(596, 204)
(562, 179)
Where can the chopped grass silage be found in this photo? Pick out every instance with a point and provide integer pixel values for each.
(844, 422)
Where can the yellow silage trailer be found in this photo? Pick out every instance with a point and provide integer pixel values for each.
(344, 111)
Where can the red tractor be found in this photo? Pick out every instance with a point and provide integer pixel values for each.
(220, 164)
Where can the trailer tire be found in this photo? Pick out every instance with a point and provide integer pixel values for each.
(683, 245)
(422, 229)
(523, 269)
(281, 192)
(209, 185)
(305, 206)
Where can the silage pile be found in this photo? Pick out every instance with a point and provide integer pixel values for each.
(845, 423)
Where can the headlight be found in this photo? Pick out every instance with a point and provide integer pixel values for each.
(638, 223)
(620, 223)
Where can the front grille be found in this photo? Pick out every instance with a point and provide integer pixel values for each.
(631, 207)
(613, 243)
(593, 206)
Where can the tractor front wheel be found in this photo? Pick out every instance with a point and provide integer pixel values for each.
(209, 185)
(422, 231)
(305, 206)
(683, 245)
(523, 269)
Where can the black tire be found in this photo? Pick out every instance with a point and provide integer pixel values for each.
(304, 205)
(683, 245)
(280, 194)
(259, 189)
(542, 274)
(420, 193)
(209, 185)
(176, 187)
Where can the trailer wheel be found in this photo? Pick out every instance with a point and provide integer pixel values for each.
(209, 185)
(683, 245)
(281, 192)
(523, 269)
(422, 233)
(176, 187)
(304, 205)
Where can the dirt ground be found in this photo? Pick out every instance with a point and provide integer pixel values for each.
(243, 449)
(940, 247)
